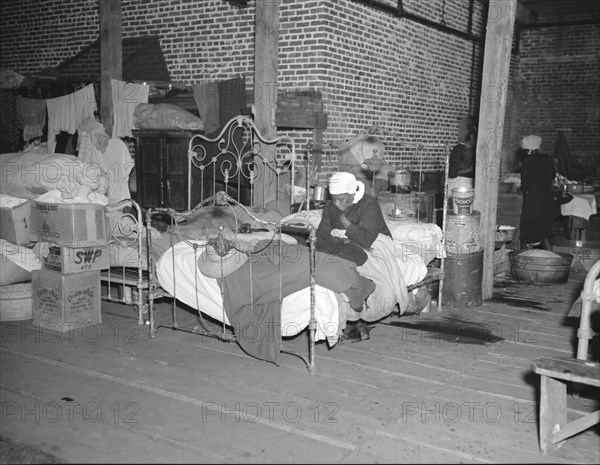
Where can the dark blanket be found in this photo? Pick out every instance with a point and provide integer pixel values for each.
(258, 326)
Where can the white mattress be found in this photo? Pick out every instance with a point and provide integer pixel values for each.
(198, 291)
(178, 274)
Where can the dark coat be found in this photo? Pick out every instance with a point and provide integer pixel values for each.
(367, 223)
(462, 161)
(537, 216)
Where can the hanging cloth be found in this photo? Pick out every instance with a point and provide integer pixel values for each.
(232, 99)
(126, 96)
(206, 96)
(31, 115)
(67, 112)
(568, 165)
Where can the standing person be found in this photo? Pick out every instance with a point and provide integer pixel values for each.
(537, 176)
(461, 166)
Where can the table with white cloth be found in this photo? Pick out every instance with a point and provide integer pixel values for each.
(579, 210)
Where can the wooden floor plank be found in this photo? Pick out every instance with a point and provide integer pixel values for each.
(391, 399)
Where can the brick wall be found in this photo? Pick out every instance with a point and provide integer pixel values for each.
(410, 81)
(557, 86)
(370, 67)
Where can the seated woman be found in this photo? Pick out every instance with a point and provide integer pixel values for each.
(352, 220)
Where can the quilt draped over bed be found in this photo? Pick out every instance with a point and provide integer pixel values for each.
(258, 326)
(381, 267)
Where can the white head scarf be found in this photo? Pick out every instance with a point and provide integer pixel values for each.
(345, 183)
(532, 142)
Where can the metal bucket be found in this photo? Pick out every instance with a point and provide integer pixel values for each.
(462, 233)
(538, 269)
(319, 193)
(584, 256)
(463, 275)
(399, 181)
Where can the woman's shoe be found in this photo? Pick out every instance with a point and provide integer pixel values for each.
(363, 328)
(351, 332)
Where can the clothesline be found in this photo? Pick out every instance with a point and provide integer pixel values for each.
(65, 113)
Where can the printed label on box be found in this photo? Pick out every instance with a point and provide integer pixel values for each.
(66, 301)
(66, 223)
(67, 259)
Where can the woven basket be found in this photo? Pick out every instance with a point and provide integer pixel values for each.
(15, 302)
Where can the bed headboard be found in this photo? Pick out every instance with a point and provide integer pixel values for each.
(233, 160)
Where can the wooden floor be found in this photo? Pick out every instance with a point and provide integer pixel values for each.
(455, 386)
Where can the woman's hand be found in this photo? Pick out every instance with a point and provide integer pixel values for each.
(345, 222)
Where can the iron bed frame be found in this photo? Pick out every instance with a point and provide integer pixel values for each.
(142, 281)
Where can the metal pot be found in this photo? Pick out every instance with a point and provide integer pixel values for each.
(575, 188)
(319, 193)
(399, 181)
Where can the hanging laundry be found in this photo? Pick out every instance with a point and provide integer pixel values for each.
(206, 96)
(126, 96)
(67, 112)
(31, 115)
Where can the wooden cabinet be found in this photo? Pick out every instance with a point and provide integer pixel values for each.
(161, 168)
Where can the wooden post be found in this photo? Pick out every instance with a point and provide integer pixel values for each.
(111, 57)
(266, 51)
(494, 84)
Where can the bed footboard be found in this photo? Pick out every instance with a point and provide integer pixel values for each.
(127, 279)
(280, 227)
(226, 167)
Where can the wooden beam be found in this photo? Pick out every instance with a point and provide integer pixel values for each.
(111, 57)
(266, 63)
(494, 85)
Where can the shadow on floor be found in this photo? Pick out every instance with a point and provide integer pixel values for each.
(11, 452)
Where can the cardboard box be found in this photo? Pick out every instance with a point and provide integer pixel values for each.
(15, 223)
(76, 258)
(68, 223)
(63, 302)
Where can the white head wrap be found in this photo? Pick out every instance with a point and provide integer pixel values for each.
(345, 183)
(531, 142)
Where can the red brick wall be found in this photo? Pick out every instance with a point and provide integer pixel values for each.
(371, 67)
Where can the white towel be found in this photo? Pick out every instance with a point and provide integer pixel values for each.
(67, 112)
(126, 96)
(583, 206)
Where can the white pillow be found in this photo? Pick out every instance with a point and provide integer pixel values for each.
(427, 234)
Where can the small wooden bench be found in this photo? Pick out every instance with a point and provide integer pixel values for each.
(555, 373)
